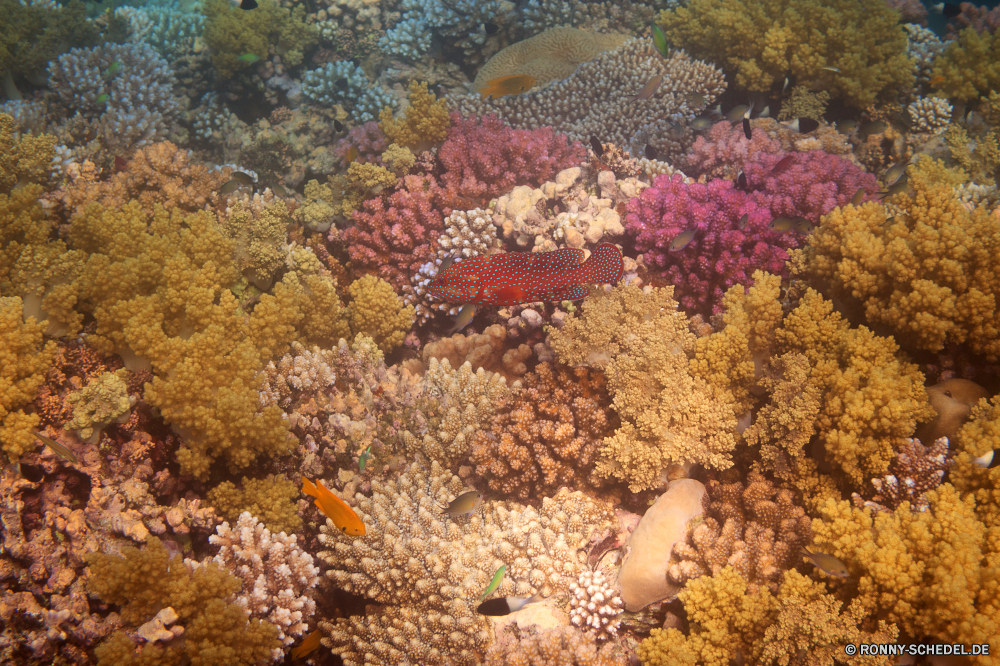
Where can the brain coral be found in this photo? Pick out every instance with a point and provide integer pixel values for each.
(760, 42)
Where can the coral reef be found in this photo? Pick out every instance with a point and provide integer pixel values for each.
(425, 121)
(36, 33)
(359, 96)
(428, 569)
(915, 470)
(854, 50)
(930, 114)
(276, 575)
(24, 358)
(969, 66)
(545, 435)
(377, 312)
(271, 500)
(102, 401)
(231, 34)
(594, 100)
(561, 645)
(595, 605)
(23, 158)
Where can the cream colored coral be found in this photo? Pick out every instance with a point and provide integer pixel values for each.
(468, 234)
(930, 114)
(429, 570)
(301, 370)
(595, 605)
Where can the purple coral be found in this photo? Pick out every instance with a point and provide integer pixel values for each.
(726, 148)
(721, 254)
(369, 141)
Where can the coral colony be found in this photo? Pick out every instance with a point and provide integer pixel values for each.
(471, 333)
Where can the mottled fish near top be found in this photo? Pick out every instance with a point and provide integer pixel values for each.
(513, 84)
(512, 278)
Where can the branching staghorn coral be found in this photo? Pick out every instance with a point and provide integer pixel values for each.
(428, 569)
(668, 416)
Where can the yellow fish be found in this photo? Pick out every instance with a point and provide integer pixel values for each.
(310, 643)
(334, 508)
(826, 563)
(464, 504)
(513, 84)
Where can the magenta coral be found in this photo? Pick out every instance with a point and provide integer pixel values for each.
(726, 148)
(393, 237)
(369, 141)
(482, 158)
(812, 185)
(720, 254)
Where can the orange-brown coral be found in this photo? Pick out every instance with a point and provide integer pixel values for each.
(546, 435)
(757, 529)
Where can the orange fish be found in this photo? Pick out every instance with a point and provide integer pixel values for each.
(514, 84)
(310, 643)
(335, 508)
(352, 154)
(526, 277)
(937, 80)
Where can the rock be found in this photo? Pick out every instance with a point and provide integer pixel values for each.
(953, 399)
(566, 178)
(643, 576)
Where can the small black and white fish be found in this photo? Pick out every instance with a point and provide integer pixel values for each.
(341, 83)
(803, 125)
(491, 28)
(949, 9)
(988, 460)
(741, 181)
(338, 126)
(747, 131)
(650, 152)
(246, 4)
(506, 605)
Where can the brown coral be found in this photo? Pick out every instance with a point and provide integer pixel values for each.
(546, 435)
(559, 645)
(916, 469)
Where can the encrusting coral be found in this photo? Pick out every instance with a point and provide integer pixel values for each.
(643, 344)
(428, 569)
(546, 434)
(102, 401)
(143, 582)
(854, 50)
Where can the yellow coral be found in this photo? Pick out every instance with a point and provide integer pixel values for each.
(372, 178)
(969, 66)
(376, 311)
(399, 159)
(271, 500)
(23, 158)
(425, 122)
(760, 42)
(258, 233)
(929, 272)
(24, 360)
(103, 400)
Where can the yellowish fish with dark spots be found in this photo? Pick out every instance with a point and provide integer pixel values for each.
(59, 449)
(464, 504)
(827, 563)
(310, 643)
(513, 84)
(648, 90)
(334, 508)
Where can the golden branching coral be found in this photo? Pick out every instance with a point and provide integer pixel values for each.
(969, 67)
(855, 50)
(157, 284)
(800, 624)
(23, 158)
(258, 232)
(928, 272)
(976, 438)
(377, 312)
(429, 570)
(668, 416)
(425, 120)
(546, 435)
(934, 573)
(271, 500)
(24, 359)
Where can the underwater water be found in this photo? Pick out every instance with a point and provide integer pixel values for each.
(535, 332)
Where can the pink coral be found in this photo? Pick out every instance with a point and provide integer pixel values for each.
(720, 254)
(983, 19)
(911, 11)
(369, 141)
(393, 237)
(726, 148)
(482, 158)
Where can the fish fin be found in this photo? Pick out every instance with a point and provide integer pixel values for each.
(309, 488)
(604, 265)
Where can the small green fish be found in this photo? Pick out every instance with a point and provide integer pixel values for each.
(901, 185)
(244, 178)
(58, 448)
(831, 69)
(101, 99)
(827, 563)
(465, 315)
(783, 223)
(874, 127)
(229, 187)
(682, 239)
(847, 126)
(858, 197)
(363, 460)
(803, 226)
(114, 69)
(736, 113)
(696, 100)
(895, 172)
(463, 505)
(495, 583)
(250, 58)
(660, 41)
(279, 190)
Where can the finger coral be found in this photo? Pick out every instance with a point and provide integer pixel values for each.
(969, 67)
(923, 272)
(668, 416)
(272, 498)
(760, 43)
(546, 435)
(428, 569)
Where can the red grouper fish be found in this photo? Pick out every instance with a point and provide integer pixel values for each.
(526, 277)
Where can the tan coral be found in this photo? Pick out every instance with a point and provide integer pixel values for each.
(560, 645)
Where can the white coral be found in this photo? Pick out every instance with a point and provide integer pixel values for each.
(595, 605)
(277, 575)
(302, 370)
(930, 114)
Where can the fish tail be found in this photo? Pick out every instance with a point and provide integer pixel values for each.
(309, 488)
(604, 266)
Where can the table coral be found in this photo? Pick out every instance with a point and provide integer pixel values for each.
(755, 528)
(425, 121)
(760, 43)
(24, 359)
(559, 645)
(272, 500)
(668, 416)
(277, 575)
(546, 435)
(144, 581)
(906, 562)
(428, 570)
(924, 272)
(24, 158)
(376, 311)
